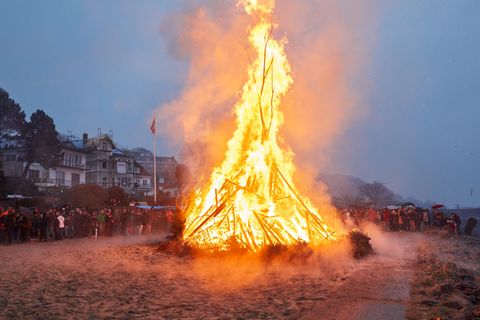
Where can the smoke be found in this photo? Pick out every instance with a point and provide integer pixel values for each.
(232, 272)
(327, 54)
(327, 47)
(213, 40)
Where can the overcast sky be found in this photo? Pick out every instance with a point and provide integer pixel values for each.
(105, 64)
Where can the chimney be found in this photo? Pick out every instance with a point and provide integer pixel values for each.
(85, 138)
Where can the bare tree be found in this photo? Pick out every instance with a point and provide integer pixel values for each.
(378, 194)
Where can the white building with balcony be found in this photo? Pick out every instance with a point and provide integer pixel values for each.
(70, 171)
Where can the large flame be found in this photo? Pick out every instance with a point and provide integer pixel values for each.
(250, 199)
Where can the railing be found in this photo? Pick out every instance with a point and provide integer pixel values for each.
(43, 180)
(62, 182)
(53, 182)
(73, 164)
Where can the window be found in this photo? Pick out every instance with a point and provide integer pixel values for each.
(104, 165)
(121, 167)
(145, 182)
(60, 178)
(67, 159)
(104, 182)
(33, 174)
(75, 179)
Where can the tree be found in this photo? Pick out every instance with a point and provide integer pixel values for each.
(12, 118)
(378, 194)
(16, 185)
(116, 195)
(40, 142)
(85, 195)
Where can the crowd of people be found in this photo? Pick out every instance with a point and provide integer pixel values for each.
(21, 225)
(408, 218)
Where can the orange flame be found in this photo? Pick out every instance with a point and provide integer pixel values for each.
(250, 198)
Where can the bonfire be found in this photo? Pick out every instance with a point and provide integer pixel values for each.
(250, 199)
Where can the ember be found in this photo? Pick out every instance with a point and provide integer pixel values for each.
(250, 199)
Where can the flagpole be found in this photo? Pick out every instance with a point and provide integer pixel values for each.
(154, 163)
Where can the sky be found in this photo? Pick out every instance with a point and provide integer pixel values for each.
(107, 64)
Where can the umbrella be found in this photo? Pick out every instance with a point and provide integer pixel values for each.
(392, 207)
(408, 204)
(437, 206)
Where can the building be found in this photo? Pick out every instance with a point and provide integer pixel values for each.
(69, 172)
(10, 163)
(109, 166)
(99, 161)
(166, 168)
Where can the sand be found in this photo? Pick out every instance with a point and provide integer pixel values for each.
(128, 278)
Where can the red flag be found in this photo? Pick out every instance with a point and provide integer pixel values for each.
(153, 127)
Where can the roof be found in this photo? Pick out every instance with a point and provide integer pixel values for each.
(142, 152)
(118, 152)
(93, 142)
(74, 145)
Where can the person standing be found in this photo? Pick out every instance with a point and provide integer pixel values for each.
(470, 226)
(386, 219)
(51, 226)
(101, 222)
(61, 226)
(425, 220)
(24, 226)
(458, 221)
(69, 224)
(3, 215)
(10, 224)
(401, 220)
(43, 225)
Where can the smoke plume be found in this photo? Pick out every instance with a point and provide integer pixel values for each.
(326, 51)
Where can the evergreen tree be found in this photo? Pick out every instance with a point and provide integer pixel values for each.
(40, 142)
(12, 118)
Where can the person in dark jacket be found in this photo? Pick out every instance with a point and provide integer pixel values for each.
(24, 225)
(10, 224)
(43, 226)
(471, 224)
(458, 221)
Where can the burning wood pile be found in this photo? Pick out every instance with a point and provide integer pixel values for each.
(250, 199)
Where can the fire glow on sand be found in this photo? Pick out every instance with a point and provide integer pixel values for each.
(250, 199)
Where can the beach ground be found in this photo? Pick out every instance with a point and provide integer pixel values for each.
(446, 283)
(128, 278)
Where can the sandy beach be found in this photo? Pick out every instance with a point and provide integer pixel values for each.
(128, 278)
